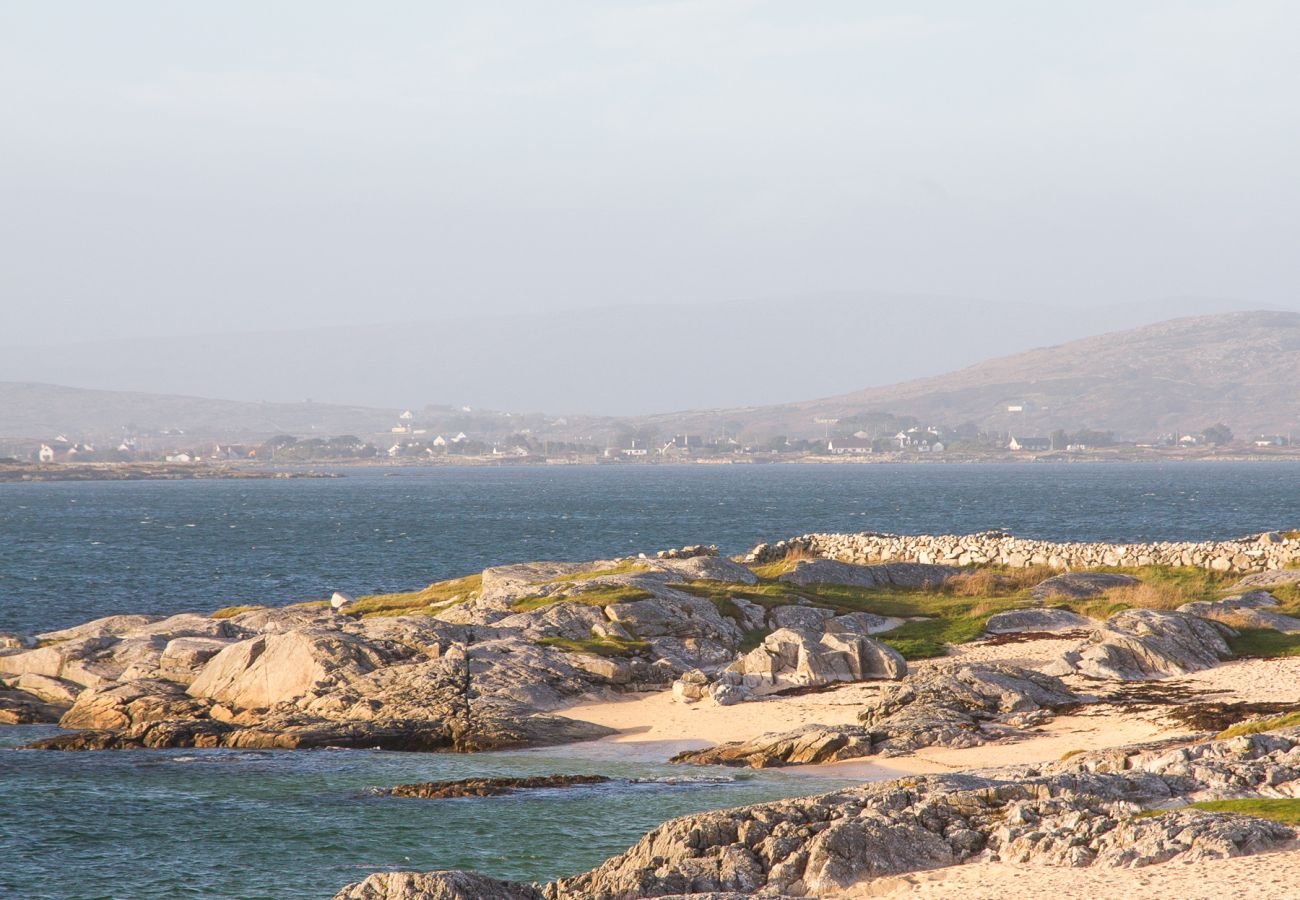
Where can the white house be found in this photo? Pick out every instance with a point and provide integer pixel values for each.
(1029, 443)
(848, 446)
(406, 415)
(440, 441)
(45, 454)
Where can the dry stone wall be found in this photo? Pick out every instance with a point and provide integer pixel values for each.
(1268, 551)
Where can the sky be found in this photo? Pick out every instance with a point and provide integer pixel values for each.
(180, 168)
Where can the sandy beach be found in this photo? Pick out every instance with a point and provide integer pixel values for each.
(654, 726)
(1266, 876)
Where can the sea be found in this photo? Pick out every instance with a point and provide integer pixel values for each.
(274, 824)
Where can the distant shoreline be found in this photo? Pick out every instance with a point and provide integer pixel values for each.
(32, 472)
(18, 473)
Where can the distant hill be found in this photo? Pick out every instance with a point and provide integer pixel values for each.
(30, 410)
(1183, 375)
(624, 361)
(1242, 369)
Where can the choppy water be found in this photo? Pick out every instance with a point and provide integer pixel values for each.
(73, 551)
(277, 824)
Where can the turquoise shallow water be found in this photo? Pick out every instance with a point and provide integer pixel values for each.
(285, 824)
(266, 824)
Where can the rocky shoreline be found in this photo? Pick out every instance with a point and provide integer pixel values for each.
(506, 659)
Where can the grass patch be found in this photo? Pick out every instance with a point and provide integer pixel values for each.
(1071, 753)
(952, 619)
(623, 568)
(229, 612)
(436, 597)
(931, 637)
(773, 570)
(601, 595)
(1264, 643)
(605, 646)
(1260, 725)
(996, 582)
(1286, 811)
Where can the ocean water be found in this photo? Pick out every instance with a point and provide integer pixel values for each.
(280, 824)
(70, 552)
(284, 824)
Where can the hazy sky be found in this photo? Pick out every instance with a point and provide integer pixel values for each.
(184, 167)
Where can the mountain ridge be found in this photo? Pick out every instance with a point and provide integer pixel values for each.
(1179, 375)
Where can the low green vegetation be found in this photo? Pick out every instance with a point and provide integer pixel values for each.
(436, 597)
(957, 612)
(229, 612)
(929, 638)
(773, 570)
(624, 567)
(1264, 643)
(1285, 811)
(605, 646)
(601, 595)
(1260, 725)
(949, 619)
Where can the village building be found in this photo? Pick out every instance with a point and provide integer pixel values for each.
(851, 446)
(1029, 443)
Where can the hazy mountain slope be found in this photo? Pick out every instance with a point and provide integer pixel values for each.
(632, 360)
(1238, 368)
(44, 410)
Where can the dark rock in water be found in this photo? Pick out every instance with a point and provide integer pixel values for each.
(811, 745)
(453, 885)
(1080, 585)
(489, 787)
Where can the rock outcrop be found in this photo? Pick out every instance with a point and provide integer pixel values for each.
(1077, 813)
(955, 706)
(1254, 609)
(1080, 585)
(436, 886)
(1037, 620)
(903, 575)
(1142, 644)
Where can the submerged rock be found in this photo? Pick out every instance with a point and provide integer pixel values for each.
(810, 745)
(490, 787)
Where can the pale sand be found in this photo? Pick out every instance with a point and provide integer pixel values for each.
(1265, 876)
(654, 726)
